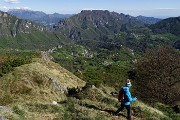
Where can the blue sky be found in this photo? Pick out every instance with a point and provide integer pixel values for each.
(155, 8)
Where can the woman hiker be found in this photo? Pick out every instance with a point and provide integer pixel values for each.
(126, 99)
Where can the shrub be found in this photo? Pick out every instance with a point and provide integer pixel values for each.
(158, 76)
(8, 65)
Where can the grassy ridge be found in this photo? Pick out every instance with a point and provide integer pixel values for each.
(35, 40)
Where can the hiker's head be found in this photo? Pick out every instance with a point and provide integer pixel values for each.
(128, 83)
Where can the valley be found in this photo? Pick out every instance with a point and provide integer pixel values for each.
(69, 71)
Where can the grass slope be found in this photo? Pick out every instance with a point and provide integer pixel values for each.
(35, 40)
(39, 81)
(28, 92)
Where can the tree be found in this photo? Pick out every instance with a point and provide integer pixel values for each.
(158, 76)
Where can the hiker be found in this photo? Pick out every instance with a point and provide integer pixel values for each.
(126, 100)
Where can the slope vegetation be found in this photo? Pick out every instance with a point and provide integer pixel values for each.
(91, 25)
(44, 90)
(16, 33)
(110, 30)
(38, 79)
(169, 25)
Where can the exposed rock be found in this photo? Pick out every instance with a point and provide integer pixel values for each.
(54, 103)
(93, 87)
(56, 86)
(2, 118)
(12, 25)
(5, 109)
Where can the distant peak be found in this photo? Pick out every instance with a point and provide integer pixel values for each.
(87, 11)
(19, 10)
(55, 13)
(23, 10)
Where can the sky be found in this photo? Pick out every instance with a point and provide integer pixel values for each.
(151, 8)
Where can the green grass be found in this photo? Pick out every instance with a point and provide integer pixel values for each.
(91, 103)
(34, 40)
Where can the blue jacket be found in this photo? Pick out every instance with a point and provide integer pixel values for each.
(127, 96)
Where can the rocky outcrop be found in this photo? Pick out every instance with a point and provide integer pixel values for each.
(11, 25)
(57, 86)
(99, 22)
(5, 109)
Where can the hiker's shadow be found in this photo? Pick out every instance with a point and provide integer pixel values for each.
(112, 112)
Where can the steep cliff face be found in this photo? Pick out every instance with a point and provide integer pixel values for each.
(91, 24)
(11, 25)
(17, 33)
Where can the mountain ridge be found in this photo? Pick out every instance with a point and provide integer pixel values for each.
(99, 22)
(38, 16)
(16, 33)
(148, 20)
(169, 25)
(14, 25)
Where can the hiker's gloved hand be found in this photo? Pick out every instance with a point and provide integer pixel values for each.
(134, 99)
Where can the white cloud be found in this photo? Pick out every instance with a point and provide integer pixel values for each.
(12, 1)
(167, 9)
(24, 8)
(3, 8)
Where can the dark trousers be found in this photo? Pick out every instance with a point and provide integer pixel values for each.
(128, 108)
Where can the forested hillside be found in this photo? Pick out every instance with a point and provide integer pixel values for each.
(169, 25)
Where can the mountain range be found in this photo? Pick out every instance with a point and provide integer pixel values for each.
(109, 30)
(148, 20)
(169, 25)
(38, 16)
(41, 17)
(98, 27)
(16, 33)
